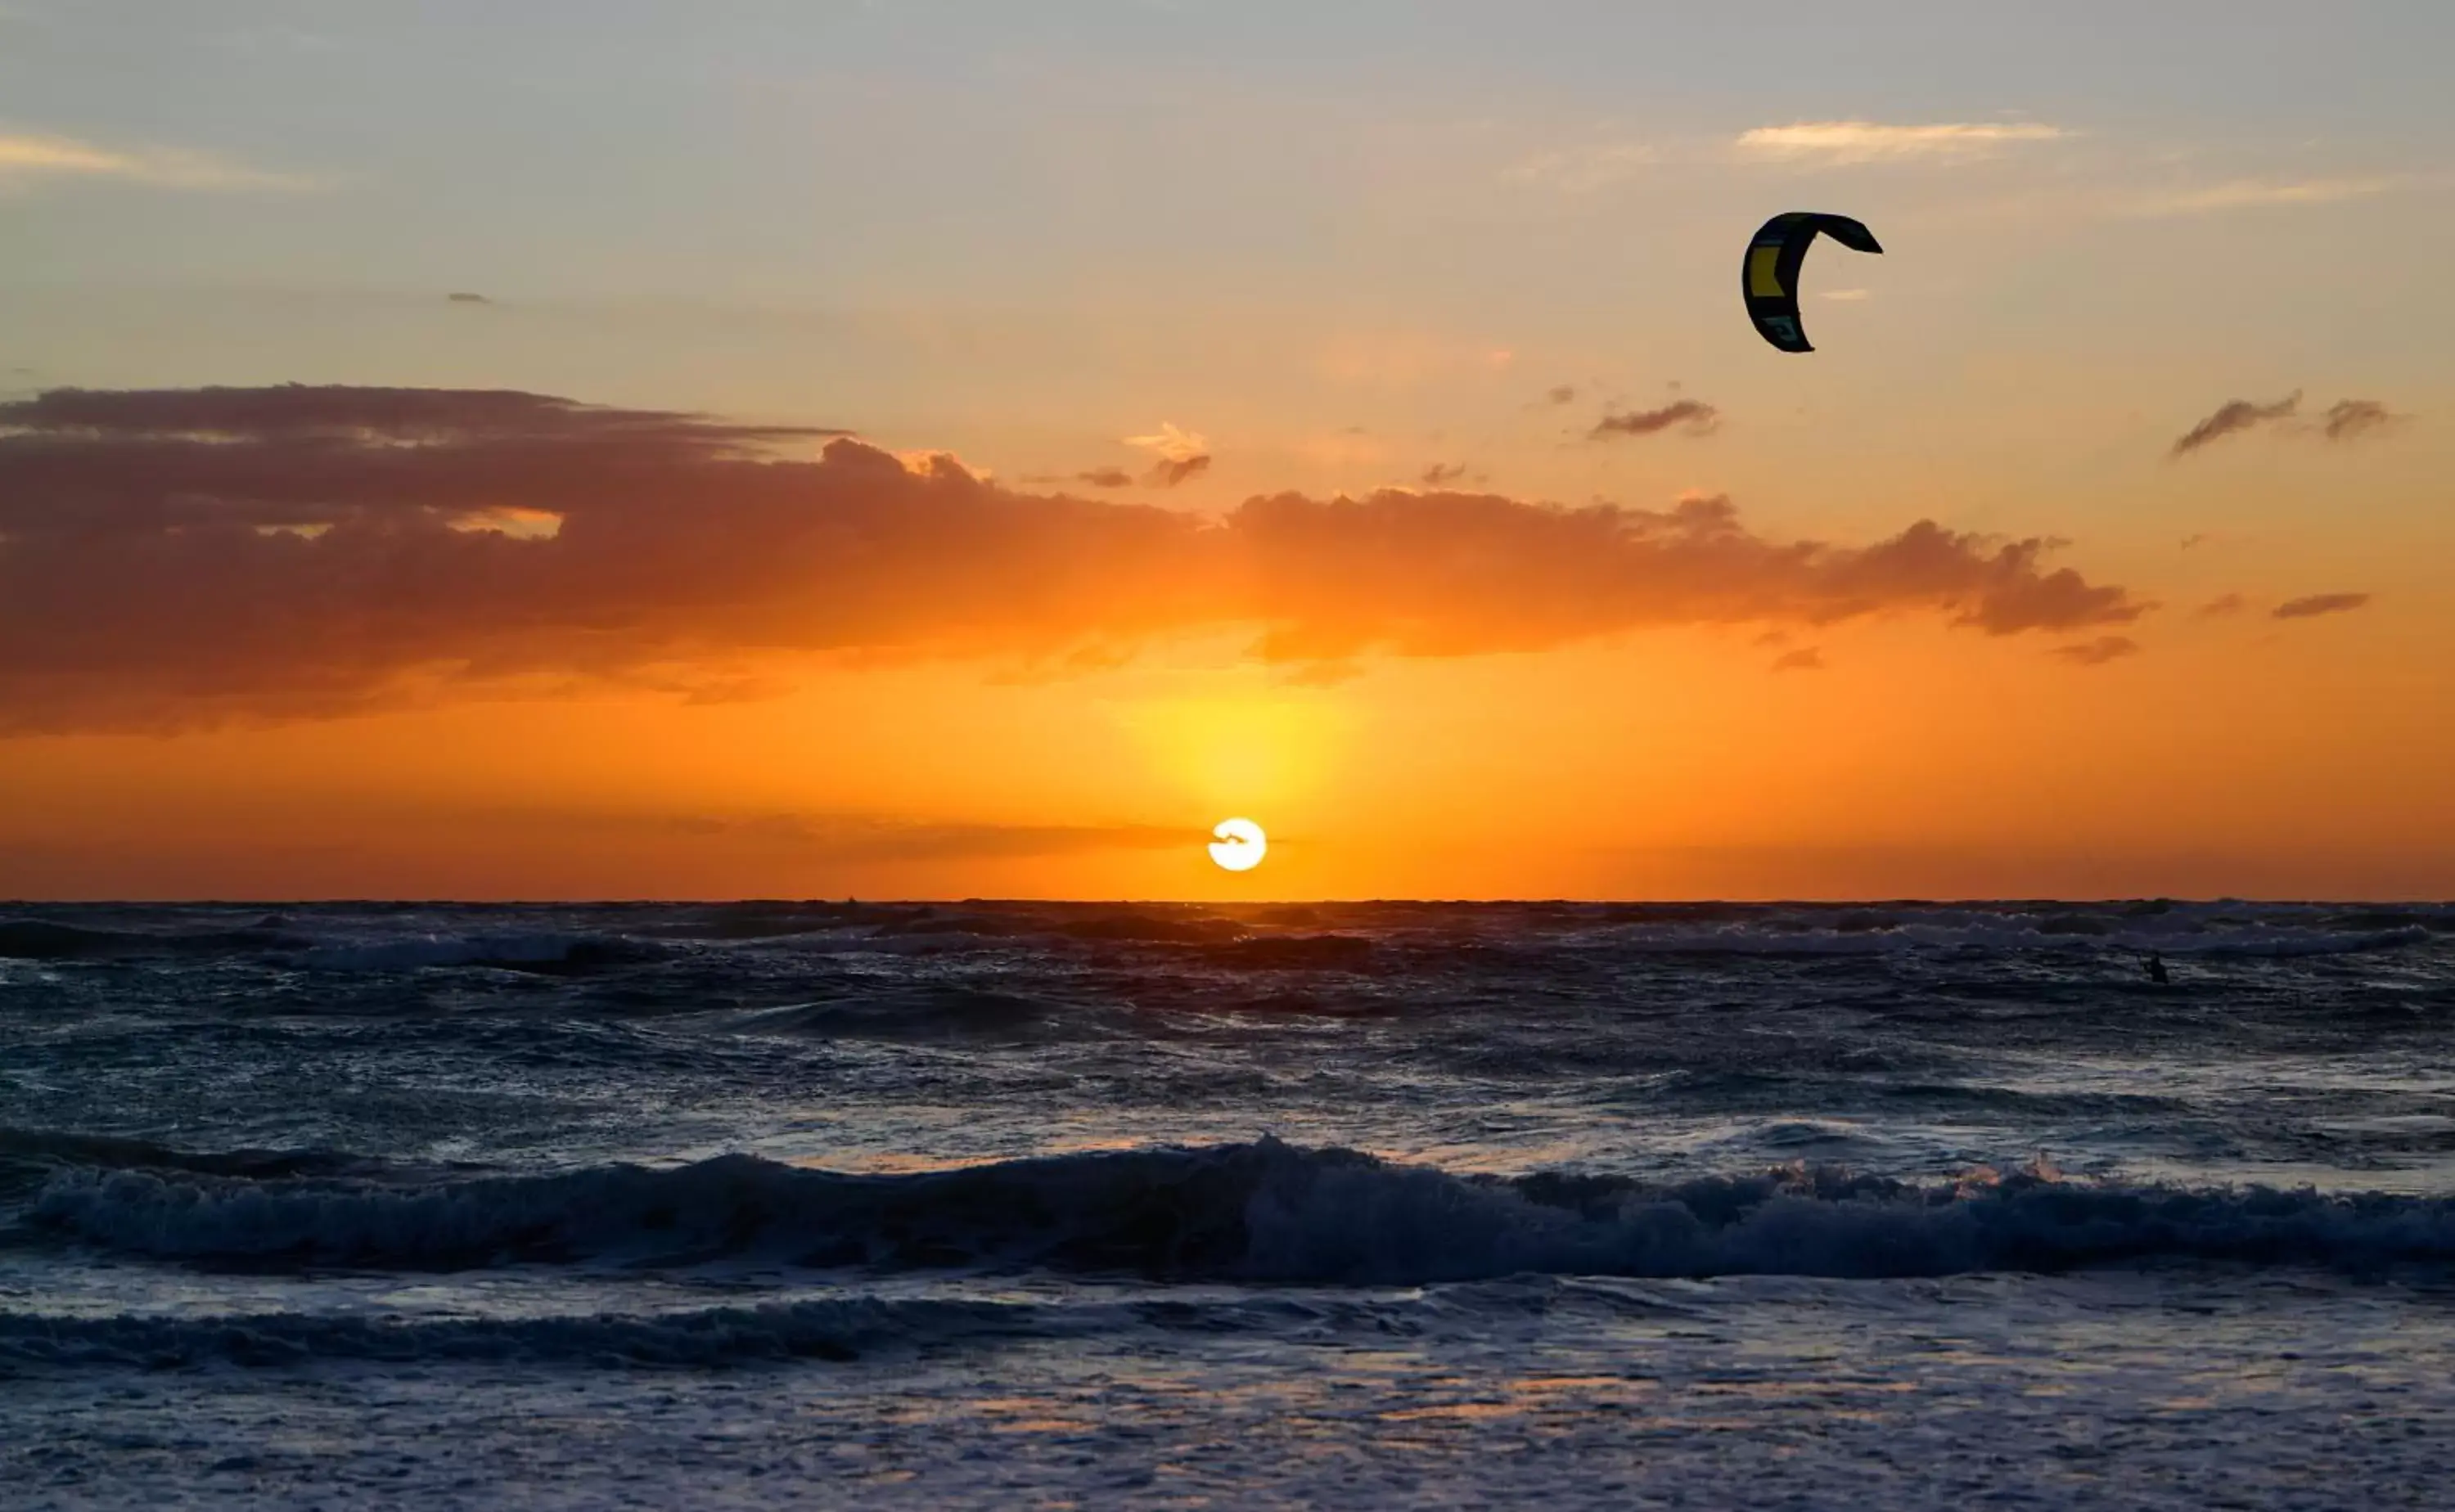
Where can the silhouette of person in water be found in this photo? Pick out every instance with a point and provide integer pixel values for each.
(2156, 967)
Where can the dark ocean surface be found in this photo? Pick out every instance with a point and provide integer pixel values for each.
(1013, 1205)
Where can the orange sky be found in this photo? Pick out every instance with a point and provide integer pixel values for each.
(993, 514)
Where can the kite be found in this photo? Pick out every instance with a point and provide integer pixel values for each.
(1769, 278)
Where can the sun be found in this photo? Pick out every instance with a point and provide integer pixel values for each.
(1240, 844)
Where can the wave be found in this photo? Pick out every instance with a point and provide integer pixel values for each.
(545, 953)
(1885, 936)
(1258, 1212)
(48, 1148)
(832, 1330)
(47, 940)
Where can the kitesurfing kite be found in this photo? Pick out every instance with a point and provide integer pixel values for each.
(1769, 278)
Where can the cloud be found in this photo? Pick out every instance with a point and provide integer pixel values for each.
(853, 837)
(2348, 418)
(1165, 474)
(2221, 605)
(2099, 652)
(1846, 295)
(1106, 478)
(2255, 193)
(35, 159)
(1441, 473)
(2197, 538)
(179, 557)
(1869, 142)
(2232, 417)
(1181, 454)
(2345, 421)
(468, 299)
(1806, 660)
(1696, 417)
(1560, 393)
(2317, 604)
(1583, 170)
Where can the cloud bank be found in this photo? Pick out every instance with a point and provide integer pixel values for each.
(186, 557)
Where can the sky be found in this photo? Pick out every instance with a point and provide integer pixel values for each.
(921, 448)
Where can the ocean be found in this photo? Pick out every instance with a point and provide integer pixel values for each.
(1892, 1205)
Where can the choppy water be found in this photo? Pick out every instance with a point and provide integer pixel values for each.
(1014, 1205)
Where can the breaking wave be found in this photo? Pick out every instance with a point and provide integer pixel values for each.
(1258, 1212)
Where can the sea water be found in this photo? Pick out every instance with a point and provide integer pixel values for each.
(1018, 1206)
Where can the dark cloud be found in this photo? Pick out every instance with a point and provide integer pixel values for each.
(2221, 605)
(2196, 539)
(182, 558)
(2317, 604)
(1442, 473)
(350, 416)
(1698, 417)
(1560, 395)
(2232, 417)
(1106, 478)
(2099, 652)
(1806, 660)
(1170, 471)
(468, 299)
(2345, 421)
(2347, 418)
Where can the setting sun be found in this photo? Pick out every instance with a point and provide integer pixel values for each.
(1240, 845)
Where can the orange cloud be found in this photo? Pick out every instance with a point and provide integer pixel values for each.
(175, 558)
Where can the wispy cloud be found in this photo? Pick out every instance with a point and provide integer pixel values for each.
(864, 837)
(1583, 170)
(1872, 142)
(2221, 606)
(2249, 194)
(1440, 475)
(1808, 658)
(31, 159)
(2314, 605)
(1695, 416)
(1846, 295)
(2345, 421)
(2347, 418)
(2231, 417)
(1181, 454)
(2099, 652)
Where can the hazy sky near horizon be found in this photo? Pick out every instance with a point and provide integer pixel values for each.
(1005, 439)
